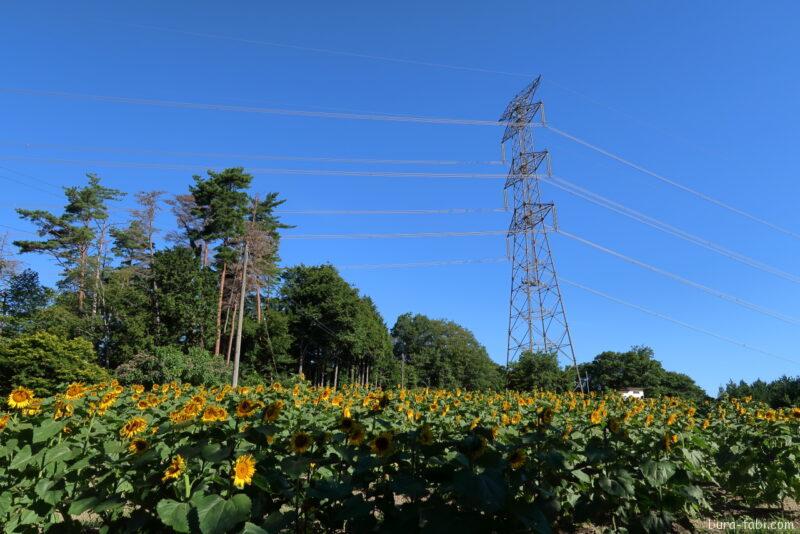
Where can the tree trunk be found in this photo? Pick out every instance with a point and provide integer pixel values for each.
(219, 307)
(238, 354)
(82, 279)
(230, 335)
(258, 304)
(335, 375)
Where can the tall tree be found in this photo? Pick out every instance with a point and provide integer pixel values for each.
(638, 368)
(442, 354)
(222, 203)
(539, 370)
(337, 334)
(135, 245)
(76, 239)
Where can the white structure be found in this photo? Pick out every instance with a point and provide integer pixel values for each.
(632, 393)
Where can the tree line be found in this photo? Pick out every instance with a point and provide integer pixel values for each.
(145, 305)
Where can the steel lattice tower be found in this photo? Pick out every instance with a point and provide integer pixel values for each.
(537, 321)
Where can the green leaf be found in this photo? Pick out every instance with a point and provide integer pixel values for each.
(581, 476)
(81, 505)
(215, 452)
(21, 459)
(215, 514)
(174, 514)
(47, 430)
(59, 452)
(45, 490)
(619, 487)
(658, 473)
(112, 447)
(250, 528)
(487, 490)
(5, 503)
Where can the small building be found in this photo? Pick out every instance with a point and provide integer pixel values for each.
(632, 393)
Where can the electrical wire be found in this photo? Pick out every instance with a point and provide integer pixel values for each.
(677, 185)
(709, 290)
(254, 109)
(266, 157)
(676, 321)
(435, 263)
(667, 228)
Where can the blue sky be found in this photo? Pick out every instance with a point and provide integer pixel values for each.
(702, 95)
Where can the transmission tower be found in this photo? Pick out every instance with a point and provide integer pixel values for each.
(537, 321)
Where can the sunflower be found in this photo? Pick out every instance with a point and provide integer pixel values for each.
(669, 439)
(76, 390)
(138, 446)
(243, 470)
(517, 459)
(134, 426)
(475, 447)
(382, 444)
(175, 469)
(20, 398)
(138, 388)
(546, 417)
(346, 424)
(272, 411)
(673, 417)
(4, 421)
(357, 434)
(246, 408)
(62, 410)
(596, 416)
(425, 435)
(614, 425)
(214, 413)
(300, 442)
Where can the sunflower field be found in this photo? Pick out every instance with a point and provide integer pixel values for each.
(295, 458)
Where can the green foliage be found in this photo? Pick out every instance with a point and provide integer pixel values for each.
(541, 371)
(22, 295)
(43, 362)
(171, 364)
(785, 391)
(122, 459)
(333, 328)
(186, 296)
(442, 354)
(638, 368)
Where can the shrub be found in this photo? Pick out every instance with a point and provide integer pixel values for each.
(170, 363)
(44, 361)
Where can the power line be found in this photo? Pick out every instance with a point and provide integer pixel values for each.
(558, 182)
(711, 291)
(266, 157)
(706, 289)
(413, 265)
(669, 181)
(547, 81)
(575, 284)
(331, 52)
(676, 321)
(259, 170)
(254, 109)
(667, 228)
(445, 211)
(407, 235)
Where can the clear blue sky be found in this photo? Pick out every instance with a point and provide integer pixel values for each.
(701, 93)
